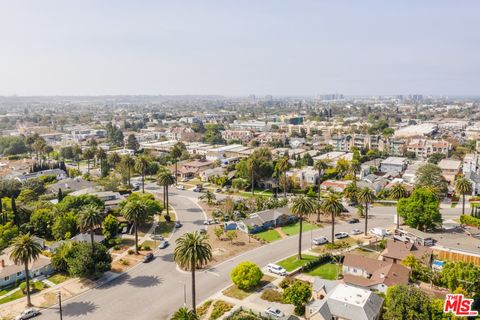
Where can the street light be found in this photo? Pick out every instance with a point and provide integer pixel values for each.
(59, 295)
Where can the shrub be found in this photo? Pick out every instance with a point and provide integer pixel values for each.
(286, 282)
(298, 294)
(469, 220)
(219, 309)
(146, 248)
(246, 275)
(130, 251)
(325, 258)
(125, 262)
(272, 295)
(117, 247)
(202, 310)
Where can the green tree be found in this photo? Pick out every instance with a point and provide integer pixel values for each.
(298, 294)
(24, 251)
(81, 262)
(407, 303)
(397, 192)
(110, 227)
(461, 274)
(332, 204)
(136, 212)
(41, 221)
(113, 159)
(355, 167)
(302, 207)
(366, 196)
(166, 179)
(64, 225)
(351, 193)
(232, 235)
(185, 314)
(176, 152)
(436, 157)
(90, 218)
(8, 232)
(208, 196)
(246, 275)
(88, 155)
(141, 164)
(281, 167)
(127, 164)
(192, 251)
(420, 210)
(463, 187)
(132, 142)
(430, 176)
(321, 165)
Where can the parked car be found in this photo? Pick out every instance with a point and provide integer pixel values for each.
(197, 189)
(27, 314)
(136, 186)
(379, 232)
(356, 231)
(341, 235)
(156, 237)
(319, 241)
(148, 257)
(354, 220)
(178, 224)
(274, 312)
(210, 221)
(163, 244)
(180, 187)
(218, 190)
(276, 269)
(185, 180)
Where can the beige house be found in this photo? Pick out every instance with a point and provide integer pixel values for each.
(450, 169)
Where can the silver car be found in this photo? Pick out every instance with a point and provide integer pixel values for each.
(27, 314)
(274, 312)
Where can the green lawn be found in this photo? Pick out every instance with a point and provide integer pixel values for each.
(326, 271)
(268, 236)
(292, 263)
(58, 278)
(17, 295)
(6, 290)
(295, 228)
(165, 228)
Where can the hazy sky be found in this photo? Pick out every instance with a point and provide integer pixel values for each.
(239, 47)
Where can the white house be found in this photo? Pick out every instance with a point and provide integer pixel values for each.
(10, 272)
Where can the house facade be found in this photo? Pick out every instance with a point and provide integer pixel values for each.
(11, 273)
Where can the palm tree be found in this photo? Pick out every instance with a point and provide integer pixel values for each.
(282, 167)
(24, 251)
(301, 207)
(141, 164)
(90, 218)
(166, 179)
(89, 154)
(366, 196)
(397, 192)
(208, 196)
(192, 251)
(113, 159)
(355, 167)
(463, 186)
(128, 163)
(185, 314)
(176, 152)
(101, 156)
(320, 165)
(136, 212)
(332, 203)
(77, 154)
(351, 193)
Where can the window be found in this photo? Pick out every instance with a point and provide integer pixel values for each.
(6, 278)
(19, 273)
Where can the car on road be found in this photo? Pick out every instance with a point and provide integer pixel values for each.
(28, 314)
(218, 190)
(354, 220)
(178, 224)
(185, 180)
(341, 235)
(163, 244)
(274, 312)
(136, 186)
(148, 257)
(379, 232)
(210, 221)
(356, 231)
(319, 241)
(197, 189)
(180, 187)
(276, 269)
(156, 237)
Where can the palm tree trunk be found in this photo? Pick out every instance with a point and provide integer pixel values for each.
(92, 241)
(128, 174)
(1, 211)
(88, 166)
(333, 228)
(166, 195)
(463, 204)
(253, 183)
(78, 164)
(194, 303)
(27, 279)
(164, 198)
(285, 184)
(136, 237)
(14, 211)
(143, 181)
(366, 218)
(176, 172)
(300, 239)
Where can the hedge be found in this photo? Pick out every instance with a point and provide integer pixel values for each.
(324, 258)
(469, 220)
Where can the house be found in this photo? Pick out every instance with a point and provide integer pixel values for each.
(393, 164)
(207, 174)
(263, 220)
(111, 198)
(70, 185)
(396, 251)
(85, 237)
(373, 182)
(335, 185)
(10, 273)
(58, 173)
(474, 179)
(450, 169)
(334, 300)
(424, 148)
(369, 167)
(373, 274)
(194, 168)
(471, 162)
(304, 177)
(237, 135)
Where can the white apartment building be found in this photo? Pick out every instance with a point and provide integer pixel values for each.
(424, 148)
(470, 163)
(239, 135)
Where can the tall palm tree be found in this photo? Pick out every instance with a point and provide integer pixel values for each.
(89, 154)
(397, 192)
(355, 167)
(192, 251)
(332, 203)
(282, 167)
(141, 164)
(113, 159)
(208, 196)
(351, 192)
(176, 152)
(166, 179)
(128, 163)
(321, 165)
(137, 212)
(302, 207)
(366, 196)
(90, 218)
(77, 154)
(24, 251)
(101, 156)
(185, 314)
(463, 186)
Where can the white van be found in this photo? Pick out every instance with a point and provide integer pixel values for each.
(276, 269)
(379, 232)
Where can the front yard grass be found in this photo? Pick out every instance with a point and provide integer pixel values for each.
(38, 285)
(236, 293)
(165, 228)
(269, 235)
(327, 271)
(295, 228)
(292, 263)
(339, 244)
(58, 278)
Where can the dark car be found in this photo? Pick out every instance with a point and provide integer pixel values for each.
(148, 257)
(354, 220)
(178, 224)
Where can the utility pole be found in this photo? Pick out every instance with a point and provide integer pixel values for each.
(59, 294)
